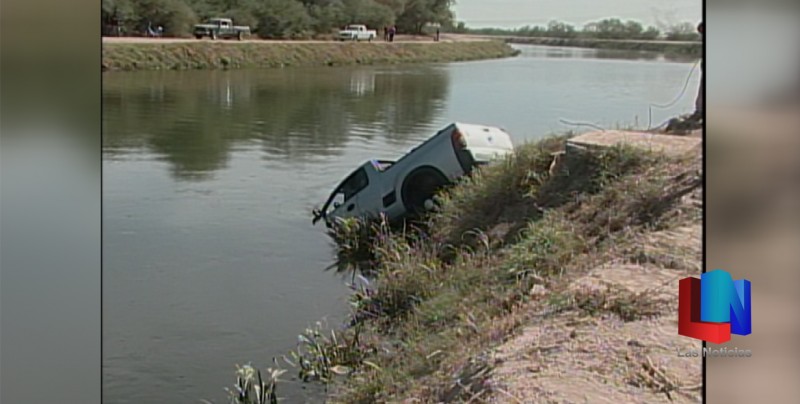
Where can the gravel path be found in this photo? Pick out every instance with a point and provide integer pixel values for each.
(398, 39)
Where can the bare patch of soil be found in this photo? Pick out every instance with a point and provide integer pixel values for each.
(612, 337)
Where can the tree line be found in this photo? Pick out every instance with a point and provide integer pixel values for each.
(610, 28)
(273, 18)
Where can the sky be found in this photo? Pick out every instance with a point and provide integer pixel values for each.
(516, 13)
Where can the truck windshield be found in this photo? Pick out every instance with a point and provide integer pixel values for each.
(353, 27)
(351, 186)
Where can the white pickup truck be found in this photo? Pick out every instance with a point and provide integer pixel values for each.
(407, 186)
(357, 32)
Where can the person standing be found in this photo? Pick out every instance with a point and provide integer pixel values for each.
(437, 34)
(699, 101)
(392, 31)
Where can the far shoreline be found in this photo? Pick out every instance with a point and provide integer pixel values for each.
(137, 54)
(672, 48)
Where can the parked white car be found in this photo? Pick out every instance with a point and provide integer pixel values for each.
(407, 186)
(357, 32)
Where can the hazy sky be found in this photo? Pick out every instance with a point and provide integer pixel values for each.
(515, 13)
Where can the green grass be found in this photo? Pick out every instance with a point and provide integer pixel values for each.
(441, 295)
(209, 55)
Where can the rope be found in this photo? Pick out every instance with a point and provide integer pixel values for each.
(589, 124)
(673, 102)
(649, 108)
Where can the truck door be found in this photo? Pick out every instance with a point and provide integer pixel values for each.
(345, 199)
(371, 199)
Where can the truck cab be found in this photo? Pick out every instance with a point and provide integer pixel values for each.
(357, 193)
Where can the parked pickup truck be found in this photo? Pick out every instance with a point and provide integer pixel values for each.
(220, 28)
(406, 187)
(357, 33)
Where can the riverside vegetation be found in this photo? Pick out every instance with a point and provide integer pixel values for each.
(609, 28)
(611, 33)
(500, 252)
(210, 55)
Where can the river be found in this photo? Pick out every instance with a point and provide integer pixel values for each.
(209, 256)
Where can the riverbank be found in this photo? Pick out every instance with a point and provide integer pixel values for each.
(552, 276)
(673, 48)
(186, 54)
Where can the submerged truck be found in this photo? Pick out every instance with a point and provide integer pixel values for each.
(406, 187)
(220, 28)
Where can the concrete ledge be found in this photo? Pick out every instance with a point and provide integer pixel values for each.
(667, 144)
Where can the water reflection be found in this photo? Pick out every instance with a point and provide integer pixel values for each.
(192, 120)
(362, 82)
(555, 52)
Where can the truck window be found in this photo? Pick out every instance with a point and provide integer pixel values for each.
(353, 185)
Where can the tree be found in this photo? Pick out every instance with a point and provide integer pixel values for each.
(560, 30)
(283, 19)
(368, 12)
(327, 15)
(651, 33)
(175, 16)
(683, 32)
(633, 29)
(117, 14)
(611, 28)
(418, 13)
(397, 6)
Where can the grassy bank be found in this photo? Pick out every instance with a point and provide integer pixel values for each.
(688, 49)
(504, 252)
(216, 55)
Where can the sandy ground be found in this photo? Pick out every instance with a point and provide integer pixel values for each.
(575, 356)
(578, 358)
(398, 39)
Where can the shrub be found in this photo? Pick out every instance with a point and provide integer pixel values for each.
(283, 19)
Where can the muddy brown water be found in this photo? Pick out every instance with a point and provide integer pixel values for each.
(209, 177)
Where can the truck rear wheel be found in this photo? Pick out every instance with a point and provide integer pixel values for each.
(420, 187)
(198, 36)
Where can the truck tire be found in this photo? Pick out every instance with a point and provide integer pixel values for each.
(198, 36)
(420, 187)
(240, 35)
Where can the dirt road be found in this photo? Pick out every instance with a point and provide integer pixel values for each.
(398, 39)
